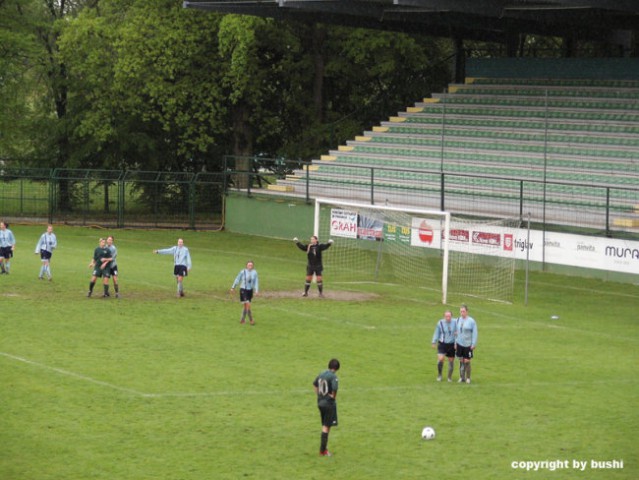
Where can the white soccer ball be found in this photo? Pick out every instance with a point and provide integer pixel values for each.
(428, 433)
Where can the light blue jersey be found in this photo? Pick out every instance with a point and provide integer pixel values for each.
(6, 238)
(445, 332)
(47, 242)
(466, 332)
(181, 255)
(247, 279)
(114, 254)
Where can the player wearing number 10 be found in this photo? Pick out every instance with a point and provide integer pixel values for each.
(325, 386)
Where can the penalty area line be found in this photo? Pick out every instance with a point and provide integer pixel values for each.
(77, 376)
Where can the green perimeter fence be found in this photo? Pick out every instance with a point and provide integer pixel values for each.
(113, 198)
(145, 199)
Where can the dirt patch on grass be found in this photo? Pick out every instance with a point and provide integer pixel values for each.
(338, 295)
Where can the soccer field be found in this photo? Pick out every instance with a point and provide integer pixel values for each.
(150, 386)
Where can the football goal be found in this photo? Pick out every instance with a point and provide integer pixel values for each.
(409, 246)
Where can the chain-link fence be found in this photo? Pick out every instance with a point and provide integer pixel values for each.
(113, 198)
(571, 206)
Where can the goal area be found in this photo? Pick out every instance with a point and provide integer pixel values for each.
(418, 248)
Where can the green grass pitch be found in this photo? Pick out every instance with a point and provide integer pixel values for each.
(155, 387)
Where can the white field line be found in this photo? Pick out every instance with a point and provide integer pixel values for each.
(69, 373)
(293, 391)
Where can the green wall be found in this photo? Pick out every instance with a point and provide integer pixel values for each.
(269, 216)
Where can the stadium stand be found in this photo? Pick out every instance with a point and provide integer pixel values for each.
(570, 141)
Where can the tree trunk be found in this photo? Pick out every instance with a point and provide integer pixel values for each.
(242, 145)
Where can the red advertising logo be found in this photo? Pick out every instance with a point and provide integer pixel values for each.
(508, 242)
(487, 238)
(458, 235)
(426, 233)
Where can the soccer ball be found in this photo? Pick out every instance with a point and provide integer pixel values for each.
(428, 433)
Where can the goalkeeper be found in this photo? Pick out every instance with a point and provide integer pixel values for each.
(314, 267)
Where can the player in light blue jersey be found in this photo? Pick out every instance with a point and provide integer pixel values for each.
(45, 246)
(248, 281)
(466, 342)
(444, 341)
(181, 262)
(7, 247)
(114, 264)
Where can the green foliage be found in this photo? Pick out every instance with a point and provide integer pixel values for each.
(150, 85)
(151, 386)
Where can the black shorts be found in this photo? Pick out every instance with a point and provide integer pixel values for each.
(102, 272)
(180, 271)
(464, 352)
(447, 349)
(45, 254)
(314, 269)
(114, 271)
(246, 295)
(328, 414)
(6, 252)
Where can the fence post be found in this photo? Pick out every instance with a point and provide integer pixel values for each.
(608, 234)
(192, 203)
(308, 183)
(121, 196)
(52, 200)
(372, 186)
(442, 194)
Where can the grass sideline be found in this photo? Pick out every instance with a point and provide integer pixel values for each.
(151, 386)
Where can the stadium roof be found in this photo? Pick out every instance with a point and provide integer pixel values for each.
(487, 20)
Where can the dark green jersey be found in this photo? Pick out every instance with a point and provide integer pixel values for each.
(101, 253)
(326, 384)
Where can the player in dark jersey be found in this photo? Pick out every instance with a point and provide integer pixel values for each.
(325, 386)
(314, 267)
(100, 265)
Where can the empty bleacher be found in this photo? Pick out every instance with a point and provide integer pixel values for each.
(563, 149)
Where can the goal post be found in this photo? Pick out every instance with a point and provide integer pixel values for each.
(419, 248)
(382, 243)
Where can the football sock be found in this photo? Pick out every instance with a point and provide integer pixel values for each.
(106, 289)
(2, 266)
(250, 314)
(440, 366)
(116, 287)
(462, 371)
(468, 370)
(320, 287)
(307, 285)
(324, 442)
(42, 270)
(8, 264)
(91, 285)
(451, 367)
(243, 315)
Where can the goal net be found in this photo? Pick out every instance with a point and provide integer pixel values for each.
(408, 247)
